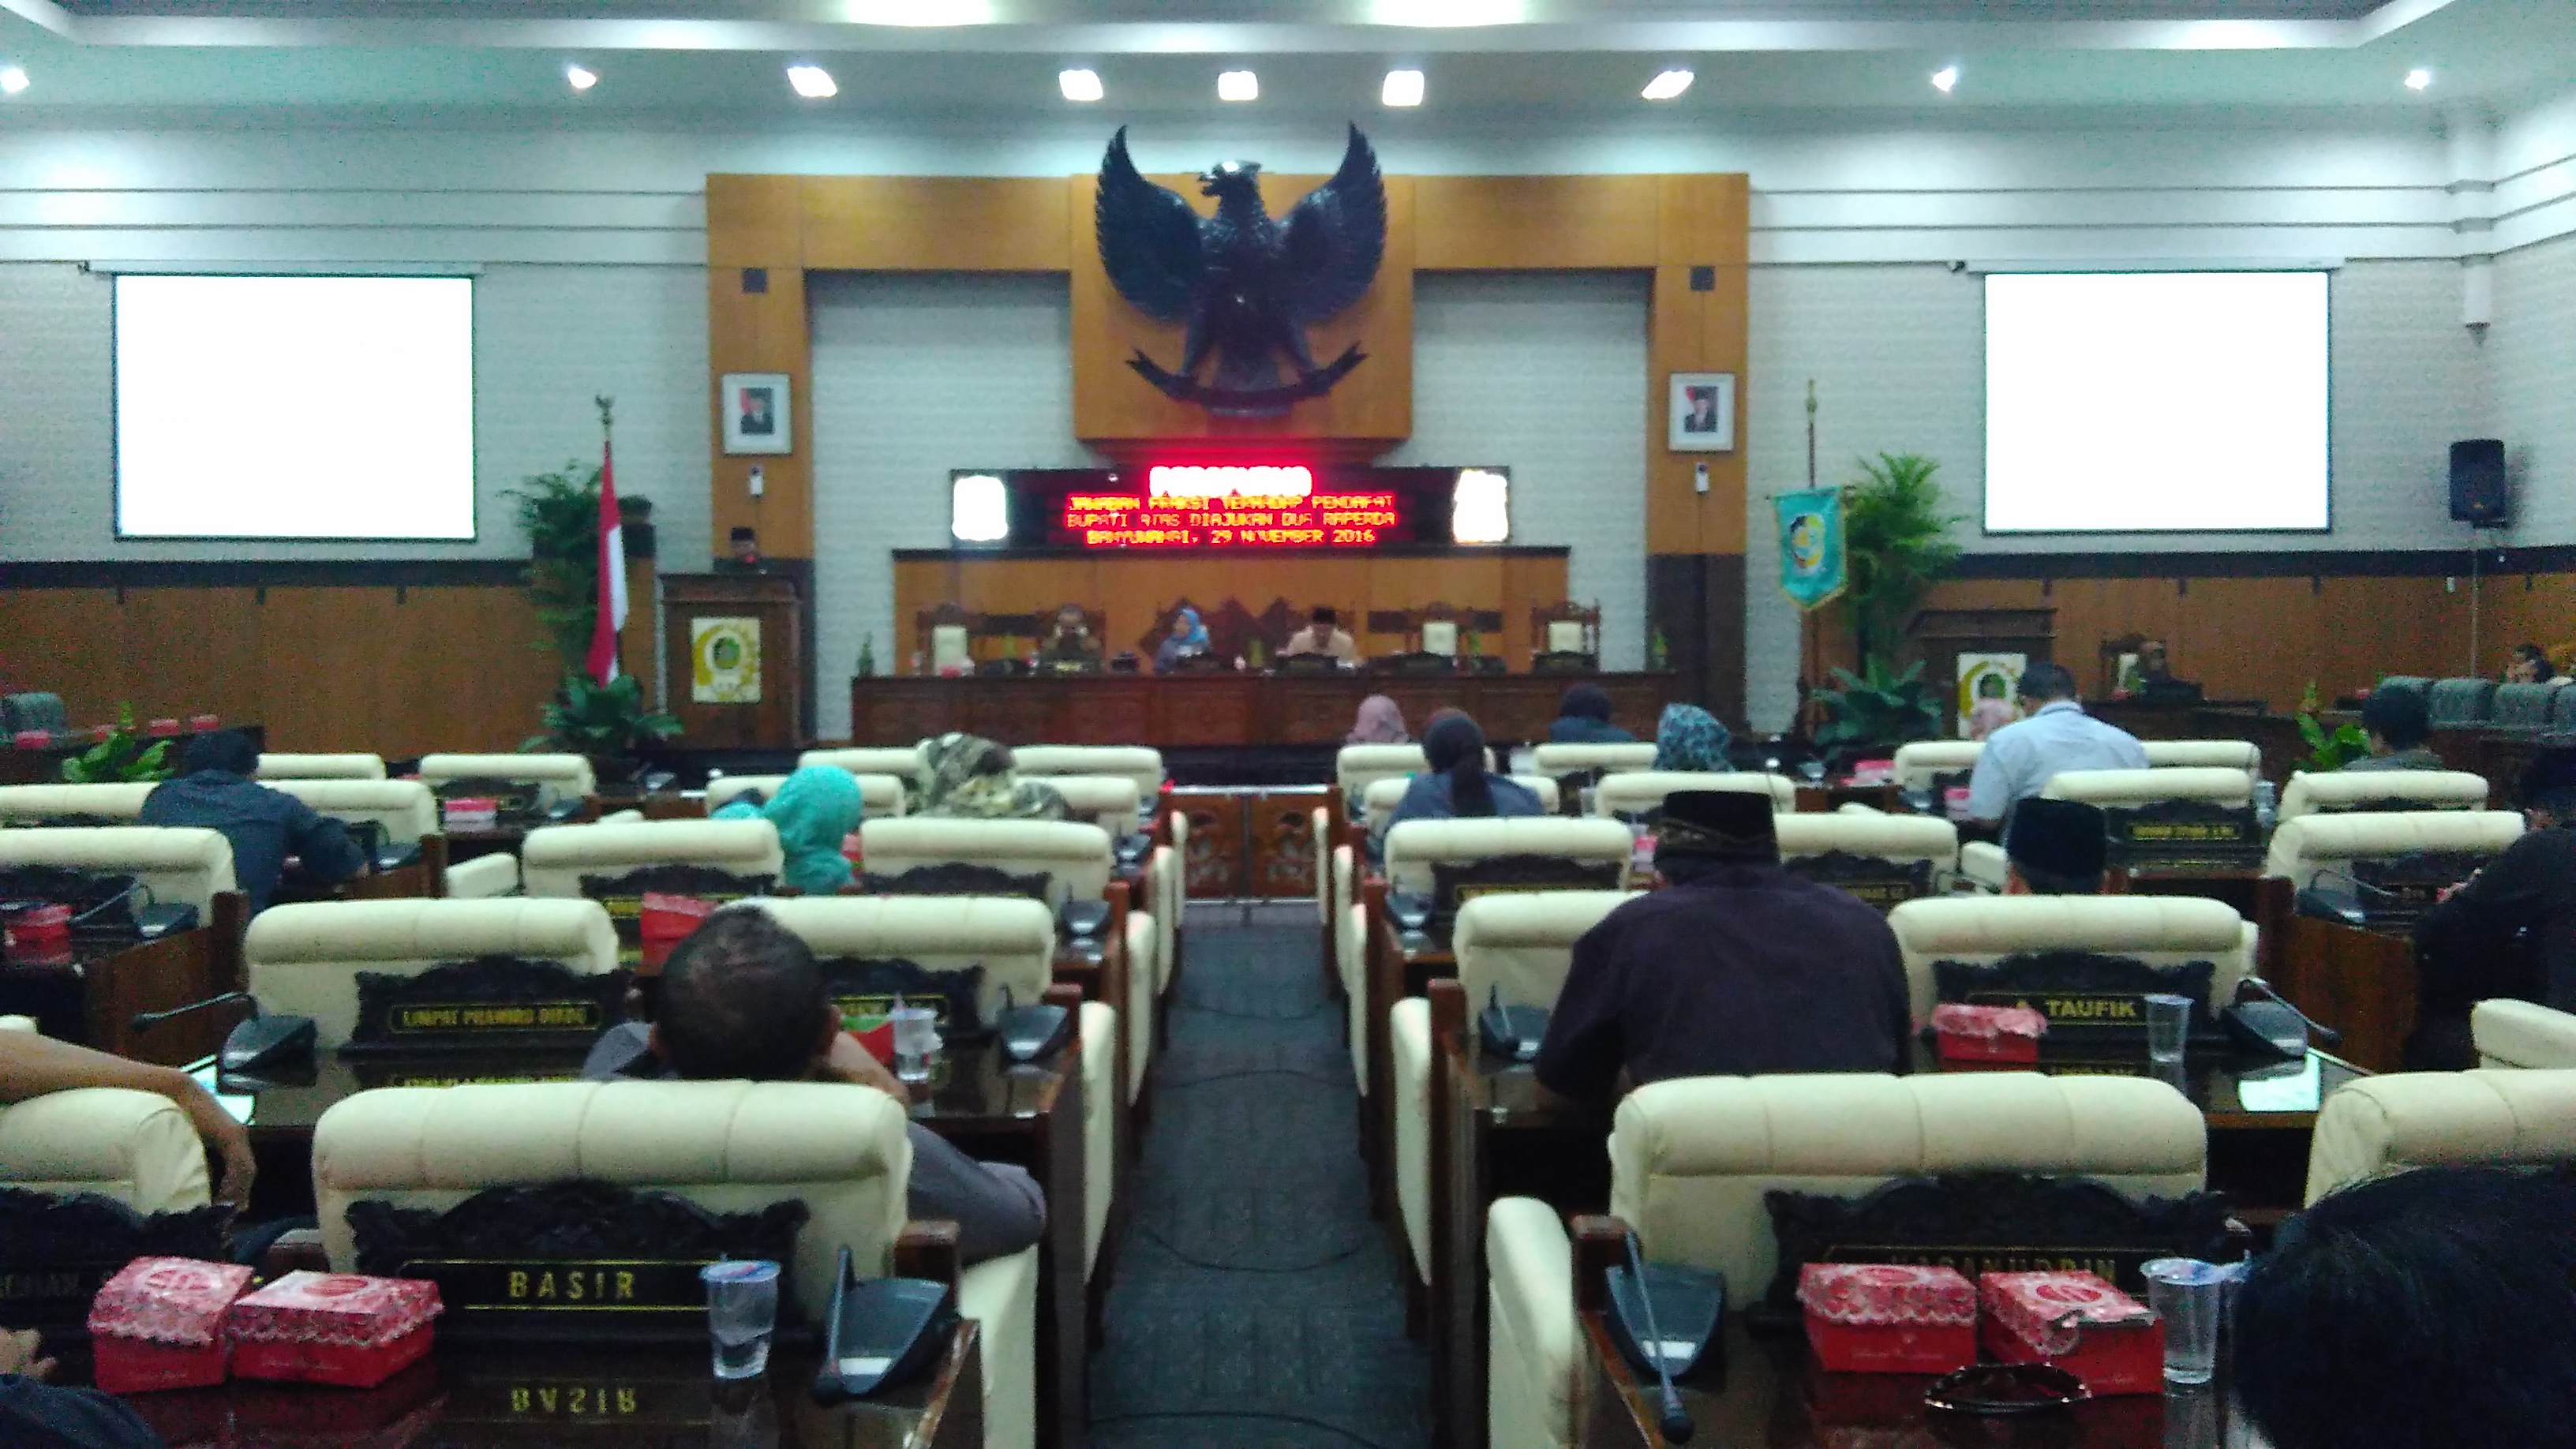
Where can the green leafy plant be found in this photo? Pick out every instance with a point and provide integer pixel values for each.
(2328, 749)
(1878, 707)
(590, 718)
(120, 759)
(559, 513)
(1897, 542)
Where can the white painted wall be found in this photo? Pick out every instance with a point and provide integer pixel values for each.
(2531, 354)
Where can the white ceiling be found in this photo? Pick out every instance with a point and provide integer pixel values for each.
(1159, 58)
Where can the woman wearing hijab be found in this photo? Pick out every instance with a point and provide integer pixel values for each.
(1690, 738)
(815, 809)
(1188, 639)
(1583, 718)
(970, 778)
(1457, 785)
(1381, 722)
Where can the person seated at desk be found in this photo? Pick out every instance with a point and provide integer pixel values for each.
(2019, 758)
(1069, 647)
(2395, 721)
(1323, 635)
(264, 826)
(32, 1065)
(970, 777)
(2056, 848)
(1688, 737)
(1188, 640)
(2156, 682)
(1380, 722)
(1738, 969)
(1457, 785)
(815, 811)
(2427, 1308)
(2482, 937)
(742, 1000)
(1583, 718)
(2531, 665)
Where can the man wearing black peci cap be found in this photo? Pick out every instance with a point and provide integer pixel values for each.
(2510, 930)
(1737, 968)
(2055, 848)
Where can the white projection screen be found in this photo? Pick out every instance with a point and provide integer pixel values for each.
(295, 407)
(2156, 402)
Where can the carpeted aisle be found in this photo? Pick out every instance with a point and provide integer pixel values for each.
(1256, 1303)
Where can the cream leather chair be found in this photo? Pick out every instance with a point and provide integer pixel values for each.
(1357, 767)
(304, 960)
(1921, 763)
(1076, 860)
(179, 865)
(557, 777)
(136, 1148)
(556, 857)
(1640, 790)
(879, 795)
(321, 767)
(1519, 946)
(1111, 802)
(1382, 796)
(1415, 846)
(1136, 762)
(1615, 759)
(2512, 1033)
(404, 809)
(1690, 1160)
(1983, 864)
(726, 1146)
(1350, 959)
(2205, 754)
(2114, 789)
(17, 1023)
(1013, 940)
(2372, 1125)
(2341, 790)
(2330, 843)
(37, 804)
(2154, 930)
(903, 764)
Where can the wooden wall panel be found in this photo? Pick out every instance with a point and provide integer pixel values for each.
(760, 332)
(396, 671)
(934, 223)
(1535, 223)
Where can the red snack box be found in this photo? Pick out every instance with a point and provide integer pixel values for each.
(1987, 1033)
(161, 729)
(1888, 1318)
(666, 920)
(157, 1324)
(31, 739)
(204, 724)
(332, 1328)
(2078, 1322)
(44, 928)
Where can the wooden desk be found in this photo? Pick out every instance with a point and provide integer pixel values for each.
(2360, 982)
(91, 993)
(1179, 710)
(656, 1395)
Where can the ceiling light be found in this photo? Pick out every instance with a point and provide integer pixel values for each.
(1238, 85)
(812, 82)
(579, 77)
(1445, 14)
(1945, 79)
(12, 80)
(1079, 85)
(918, 13)
(2418, 78)
(1668, 85)
(1403, 88)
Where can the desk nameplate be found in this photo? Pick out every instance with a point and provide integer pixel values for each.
(488, 1002)
(2077, 991)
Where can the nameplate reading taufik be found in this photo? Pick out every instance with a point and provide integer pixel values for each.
(2077, 991)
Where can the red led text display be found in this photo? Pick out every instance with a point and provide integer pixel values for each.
(1317, 520)
(1184, 506)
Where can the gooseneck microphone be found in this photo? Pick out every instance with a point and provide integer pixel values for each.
(146, 1020)
(1676, 1427)
(2323, 1032)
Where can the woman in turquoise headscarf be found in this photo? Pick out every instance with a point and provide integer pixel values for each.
(815, 809)
(1188, 637)
(1690, 738)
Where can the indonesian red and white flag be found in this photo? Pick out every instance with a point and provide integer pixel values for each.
(612, 575)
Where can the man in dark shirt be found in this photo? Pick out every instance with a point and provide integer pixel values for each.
(742, 999)
(1736, 968)
(265, 826)
(2395, 722)
(2510, 930)
(2055, 848)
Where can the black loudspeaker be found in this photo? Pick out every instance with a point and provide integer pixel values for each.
(2477, 483)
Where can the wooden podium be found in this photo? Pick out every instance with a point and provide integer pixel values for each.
(735, 672)
(1939, 636)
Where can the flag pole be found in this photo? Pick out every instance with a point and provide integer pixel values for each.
(1809, 646)
(611, 616)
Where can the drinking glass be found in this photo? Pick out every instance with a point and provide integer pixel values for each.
(2168, 1023)
(1812, 771)
(2188, 1295)
(742, 1310)
(916, 1042)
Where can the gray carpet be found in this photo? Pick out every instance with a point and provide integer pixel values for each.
(1255, 1302)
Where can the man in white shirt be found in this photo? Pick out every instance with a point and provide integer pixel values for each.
(2058, 735)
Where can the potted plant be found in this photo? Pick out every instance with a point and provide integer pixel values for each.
(559, 514)
(607, 722)
(120, 759)
(2328, 749)
(1897, 546)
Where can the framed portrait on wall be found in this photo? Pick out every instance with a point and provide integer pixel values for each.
(756, 412)
(1700, 413)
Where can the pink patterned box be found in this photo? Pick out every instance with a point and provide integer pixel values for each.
(1889, 1318)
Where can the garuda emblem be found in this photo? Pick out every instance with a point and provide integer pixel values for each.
(1247, 285)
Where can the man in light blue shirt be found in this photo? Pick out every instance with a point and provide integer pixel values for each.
(2058, 735)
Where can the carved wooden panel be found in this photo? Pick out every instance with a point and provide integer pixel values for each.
(1281, 835)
